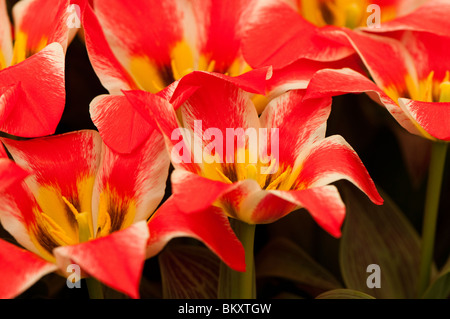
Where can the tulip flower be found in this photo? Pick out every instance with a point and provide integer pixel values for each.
(411, 79)
(283, 31)
(242, 189)
(256, 170)
(32, 70)
(131, 47)
(84, 204)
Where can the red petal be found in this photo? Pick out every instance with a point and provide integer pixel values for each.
(10, 173)
(219, 102)
(317, 169)
(337, 82)
(221, 25)
(116, 260)
(35, 104)
(430, 17)
(192, 193)
(210, 226)
(112, 74)
(434, 118)
(155, 109)
(298, 74)
(286, 112)
(323, 203)
(20, 270)
(51, 159)
(277, 35)
(121, 127)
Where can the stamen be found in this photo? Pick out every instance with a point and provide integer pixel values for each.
(84, 232)
(211, 66)
(222, 175)
(352, 16)
(445, 92)
(58, 233)
(274, 184)
(252, 172)
(61, 238)
(71, 207)
(428, 91)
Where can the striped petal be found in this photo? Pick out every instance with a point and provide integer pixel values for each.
(218, 102)
(20, 270)
(277, 35)
(64, 169)
(6, 50)
(337, 82)
(300, 123)
(116, 260)
(112, 74)
(121, 127)
(430, 17)
(210, 226)
(32, 94)
(221, 27)
(297, 75)
(139, 35)
(433, 117)
(129, 187)
(38, 23)
(317, 169)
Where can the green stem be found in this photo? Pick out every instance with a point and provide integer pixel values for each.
(436, 172)
(235, 284)
(95, 288)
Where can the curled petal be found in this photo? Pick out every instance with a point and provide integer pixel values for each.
(210, 226)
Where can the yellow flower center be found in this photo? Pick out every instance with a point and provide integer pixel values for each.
(342, 13)
(61, 221)
(153, 78)
(425, 90)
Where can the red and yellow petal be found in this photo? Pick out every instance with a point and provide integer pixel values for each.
(139, 35)
(6, 49)
(116, 260)
(432, 117)
(32, 96)
(210, 226)
(113, 75)
(20, 270)
(64, 169)
(38, 23)
(129, 187)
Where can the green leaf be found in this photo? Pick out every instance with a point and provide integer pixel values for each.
(189, 272)
(440, 287)
(344, 294)
(284, 259)
(378, 235)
